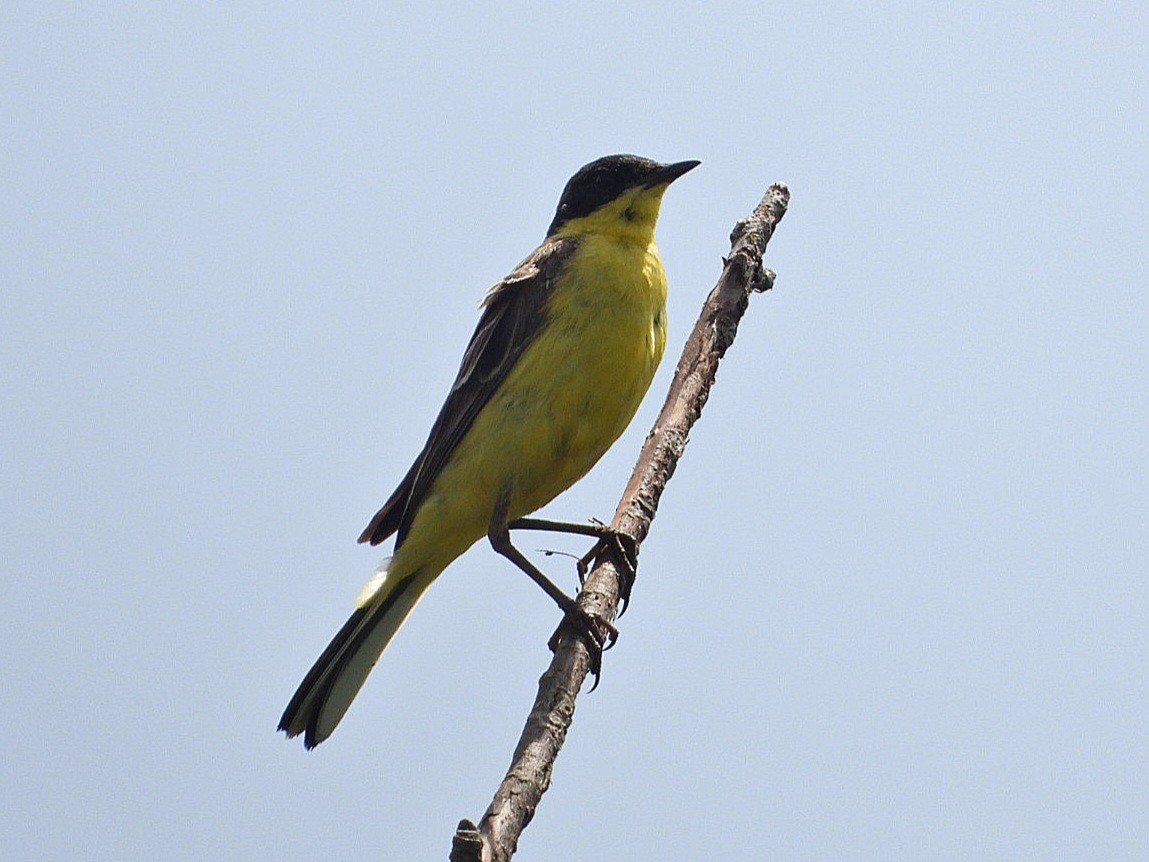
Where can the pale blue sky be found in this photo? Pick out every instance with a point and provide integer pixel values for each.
(894, 605)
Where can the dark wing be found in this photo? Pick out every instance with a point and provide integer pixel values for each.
(513, 313)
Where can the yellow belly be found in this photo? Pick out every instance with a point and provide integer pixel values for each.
(571, 394)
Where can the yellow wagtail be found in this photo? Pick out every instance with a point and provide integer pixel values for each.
(564, 351)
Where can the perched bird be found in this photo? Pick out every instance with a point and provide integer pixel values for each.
(564, 351)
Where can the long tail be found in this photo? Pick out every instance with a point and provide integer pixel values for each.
(336, 677)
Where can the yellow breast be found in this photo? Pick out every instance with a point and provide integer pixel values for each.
(570, 395)
(591, 366)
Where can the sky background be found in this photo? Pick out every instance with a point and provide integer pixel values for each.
(894, 605)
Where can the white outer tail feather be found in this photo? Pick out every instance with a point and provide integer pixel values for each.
(354, 673)
(335, 679)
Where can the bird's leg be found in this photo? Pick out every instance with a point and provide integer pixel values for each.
(618, 547)
(589, 627)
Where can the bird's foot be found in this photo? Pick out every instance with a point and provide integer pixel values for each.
(622, 551)
(596, 633)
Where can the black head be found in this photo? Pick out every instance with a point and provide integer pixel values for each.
(605, 179)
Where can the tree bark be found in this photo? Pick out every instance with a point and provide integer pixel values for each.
(496, 837)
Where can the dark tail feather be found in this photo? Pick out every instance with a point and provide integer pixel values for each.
(336, 677)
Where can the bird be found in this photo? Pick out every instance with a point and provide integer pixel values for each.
(565, 349)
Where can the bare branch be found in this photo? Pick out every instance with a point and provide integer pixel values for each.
(529, 776)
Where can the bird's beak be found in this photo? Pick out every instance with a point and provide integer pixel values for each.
(666, 174)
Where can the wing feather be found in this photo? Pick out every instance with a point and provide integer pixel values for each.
(513, 314)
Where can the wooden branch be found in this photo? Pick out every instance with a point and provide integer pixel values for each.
(529, 776)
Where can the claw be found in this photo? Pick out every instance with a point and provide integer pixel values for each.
(582, 566)
(622, 551)
(590, 630)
